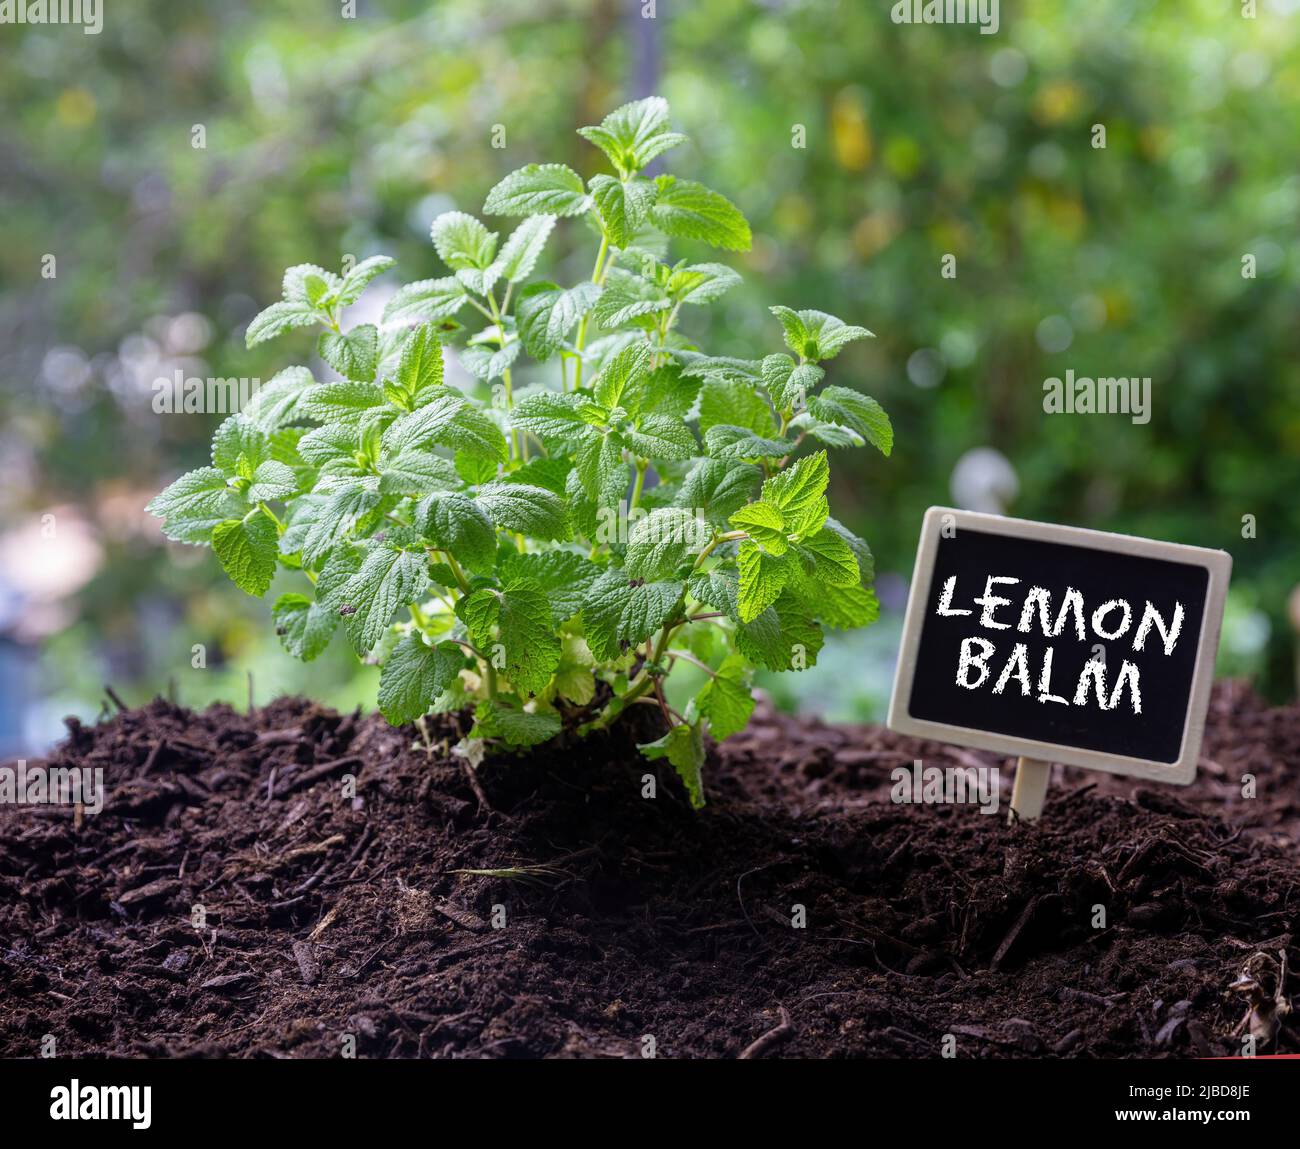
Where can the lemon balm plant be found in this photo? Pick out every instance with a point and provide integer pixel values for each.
(547, 551)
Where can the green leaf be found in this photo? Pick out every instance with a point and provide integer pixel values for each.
(630, 300)
(661, 437)
(551, 473)
(419, 370)
(458, 524)
(683, 746)
(336, 519)
(536, 512)
(247, 549)
(861, 552)
(621, 371)
(546, 313)
(731, 403)
(518, 728)
(279, 318)
(238, 438)
(475, 469)
(764, 524)
(727, 442)
(344, 561)
(718, 588)
(486, 363)
(762, 579)
(278, 402)
(799, 493)
(565, 576)
(415, 472)
(272, 481)
(194, 504)
(387, 581)
(332, 447)
(520, 252)
(552, 417)
(841, 607)
(462, 241)
(631, 136)
(663, 541)
(701, 282)
(619, 613)
(783, 637)
(726, 699)
(622, 206)
(354, 282)
(307, 283)
(858, 412)
(688, 210)
(354, 355)
(413, 675)
(341, 401)
(717, 488)
(787, 382)
(519, 617)
(426, 300)
(538, 189)
(601, 470)
(449, 420)
(305, 627)
(814, 335)
(831, 560)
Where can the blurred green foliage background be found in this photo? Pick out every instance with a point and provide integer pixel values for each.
(325, 136)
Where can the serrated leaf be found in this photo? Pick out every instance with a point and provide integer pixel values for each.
(546, 313)
(517, 617)
(355, 281)
(620, 612)
(783, 637)
(387, 581)
(332, 446)
(726, 699)
(520, 252)
(342, 401)
(194, 504)
(420, 367)
(462, 241)
(727, 442)
(277, 402)
(762, 579)
(599, 464)
(271, 481)
(488, 363)
(832, 561)
(661, 437)
(354, 355)
(458, 524)
(565, 576)
(634, 134)
(552, 417)
(799, 493)
(534, 511)
(731, 403)
(247, 550)
(237, 438)
(413, 675)
(414, 472)
(718, 588)
(427, 300)
(861, 552)
(537, 189)
(815, 335)
(841, 607)
(683, 746)
(663, 541)
(336, 519)
(860, 413)
(307, 283)
(277, 319)
(664, 391)
(629, 299)
(717, 488)
(304, 627)
(701, 282)
(620, 372)
(689, 210)
(622, 205)
(515, 726)
(764, 524)
(788, 382)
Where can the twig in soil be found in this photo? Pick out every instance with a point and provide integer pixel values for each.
(740, 897)
(117, 701)
(1013, 933)
(772, 1037)
(315, 774)
(537, 875)
(474, 784)
(153, 756)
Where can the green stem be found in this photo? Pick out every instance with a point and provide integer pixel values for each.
(580, 341)
(641, 466)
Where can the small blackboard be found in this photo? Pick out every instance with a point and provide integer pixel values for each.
(1060, 644)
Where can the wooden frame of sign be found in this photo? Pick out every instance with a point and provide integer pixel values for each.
(1036, 754)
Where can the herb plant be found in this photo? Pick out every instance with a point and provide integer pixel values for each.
(546, 552)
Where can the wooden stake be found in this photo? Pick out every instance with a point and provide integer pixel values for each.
(1029, 789)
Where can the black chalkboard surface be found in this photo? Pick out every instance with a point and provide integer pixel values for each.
(1058, 643)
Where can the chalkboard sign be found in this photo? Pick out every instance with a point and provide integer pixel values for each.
(1061, 644)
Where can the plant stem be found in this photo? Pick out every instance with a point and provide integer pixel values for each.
(580, 341)
(641, 466)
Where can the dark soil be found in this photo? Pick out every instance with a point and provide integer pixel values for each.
(330, 915)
